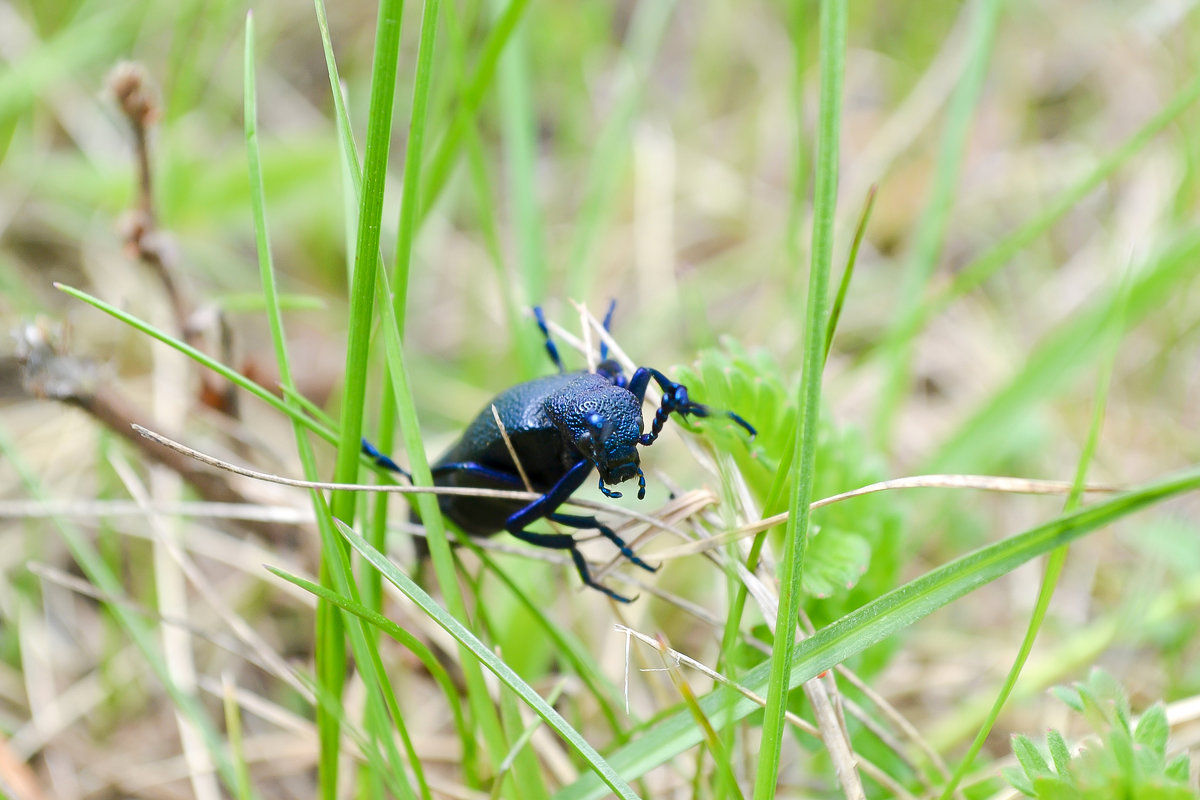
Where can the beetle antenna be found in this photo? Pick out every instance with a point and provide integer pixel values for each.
(609, 492)
(641, 484)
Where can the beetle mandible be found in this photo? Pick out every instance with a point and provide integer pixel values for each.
(561, 427)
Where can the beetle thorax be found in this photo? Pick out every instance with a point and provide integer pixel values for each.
(602, 422)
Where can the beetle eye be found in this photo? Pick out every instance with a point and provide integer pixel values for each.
(598, 425)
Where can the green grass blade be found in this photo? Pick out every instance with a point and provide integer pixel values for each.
(443, 161)
(341, 117)
(382, 700)
(228, 373)
(832, 58)
(980, 269)
(410, 196)
(1054, 563)
(876, 621)
(237, 745)
(566, 645)
(366, 258)
(483, 654)
(403, 637)
(435, 530)
(519, 128)
(839, 300)
(331, 655)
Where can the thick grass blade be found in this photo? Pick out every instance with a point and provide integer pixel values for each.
(876, 621)
(603, 771)
(381, 701)
(832, 58)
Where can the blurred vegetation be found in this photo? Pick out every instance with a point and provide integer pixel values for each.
(1035, 221)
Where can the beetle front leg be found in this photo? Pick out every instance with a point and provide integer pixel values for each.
(675, 398)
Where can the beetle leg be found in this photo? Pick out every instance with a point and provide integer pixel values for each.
(612, 306)
(586, 523)
(551, 347)
(372, 452)
(479, 469)
(545, 507)
(675, 398)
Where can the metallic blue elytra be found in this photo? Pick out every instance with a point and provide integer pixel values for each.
(561, 427)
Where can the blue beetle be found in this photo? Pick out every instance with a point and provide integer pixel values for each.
(561, 427)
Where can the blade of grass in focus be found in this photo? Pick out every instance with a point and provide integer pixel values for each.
(380, 697)
(832, 54)
(330, 640)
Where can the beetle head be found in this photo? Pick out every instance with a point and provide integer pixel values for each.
(603, 422)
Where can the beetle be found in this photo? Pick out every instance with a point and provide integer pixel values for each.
(561, 427)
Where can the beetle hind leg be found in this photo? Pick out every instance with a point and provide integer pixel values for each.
(563, 541)
(586, 576)
(380, 459)
(551, 347)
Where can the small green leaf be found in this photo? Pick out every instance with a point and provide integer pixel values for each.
(1059, 752)
(1069, 697)
(1152, 730)
(1018, 780)
(836, 560)
(1178, 768)
(1029, 756)
(1052, 788)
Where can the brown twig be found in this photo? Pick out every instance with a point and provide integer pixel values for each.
(49, 372)
(131, 87)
